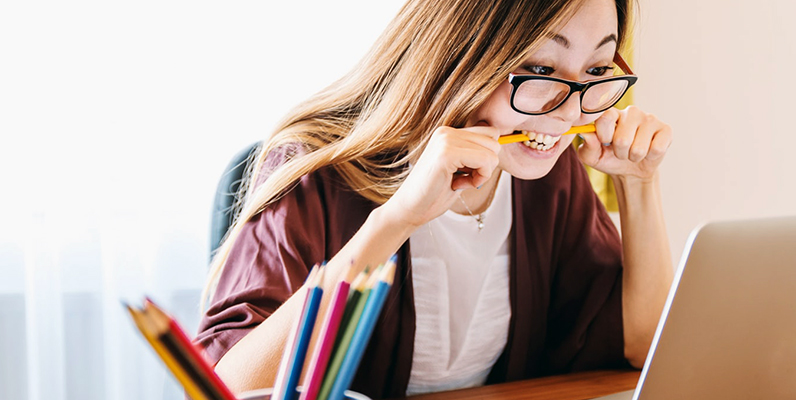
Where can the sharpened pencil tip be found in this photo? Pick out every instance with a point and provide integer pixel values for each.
(388, 275)
(319, 276)
(311, 275)
(361, 279)
(374, 277)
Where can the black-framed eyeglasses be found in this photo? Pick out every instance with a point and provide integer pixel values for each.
(537, 94)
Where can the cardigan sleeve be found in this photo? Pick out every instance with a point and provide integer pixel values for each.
(267, 263)
(585, 328)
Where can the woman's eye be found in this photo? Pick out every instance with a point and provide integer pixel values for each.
(540, 70)
(599, 71)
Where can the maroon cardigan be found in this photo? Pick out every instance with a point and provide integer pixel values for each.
(565, 278)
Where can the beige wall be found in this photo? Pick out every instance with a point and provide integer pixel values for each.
(722, 74)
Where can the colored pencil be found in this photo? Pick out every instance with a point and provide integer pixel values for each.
(295, 353)
(191, 387)
(180, 346)
(354, 306)
(181, 357)
(325, 341)
(364, 329)
(280, 382)
(519, 137)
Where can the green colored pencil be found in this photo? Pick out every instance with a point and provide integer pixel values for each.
(346, 331)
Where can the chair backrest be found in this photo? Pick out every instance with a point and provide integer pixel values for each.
(222, 215)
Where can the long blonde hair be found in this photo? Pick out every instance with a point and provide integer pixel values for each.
(434, 65)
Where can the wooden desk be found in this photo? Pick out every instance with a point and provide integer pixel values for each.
(577, 386)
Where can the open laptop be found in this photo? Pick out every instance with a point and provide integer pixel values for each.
(728, 330)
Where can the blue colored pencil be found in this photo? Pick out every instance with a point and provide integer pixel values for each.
(324, 344)
(364, 329)
(356, 304)
(296, 349)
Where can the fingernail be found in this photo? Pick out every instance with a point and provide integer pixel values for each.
(581, 136)
(479, 187)
(607, 144)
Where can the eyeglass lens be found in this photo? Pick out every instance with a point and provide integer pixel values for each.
(539, 96)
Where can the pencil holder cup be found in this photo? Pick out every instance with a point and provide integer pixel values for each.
(265, 394)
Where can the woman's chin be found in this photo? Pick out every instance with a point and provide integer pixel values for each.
(526, 163)
(531, 173)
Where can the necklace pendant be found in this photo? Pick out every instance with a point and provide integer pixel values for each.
(480, 220)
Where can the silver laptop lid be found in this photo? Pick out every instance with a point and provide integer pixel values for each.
(730, 330)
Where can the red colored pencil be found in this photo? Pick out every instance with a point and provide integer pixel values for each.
(180, 346)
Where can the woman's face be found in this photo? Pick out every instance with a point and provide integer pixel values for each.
(579, 52)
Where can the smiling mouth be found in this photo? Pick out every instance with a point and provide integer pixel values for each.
(539, 141)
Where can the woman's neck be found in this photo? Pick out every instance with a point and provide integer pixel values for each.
(476, 201)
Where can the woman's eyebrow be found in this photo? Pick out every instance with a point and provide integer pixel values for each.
(561, 40)
(608, 39)
(565, 42)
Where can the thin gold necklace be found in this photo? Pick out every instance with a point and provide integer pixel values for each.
(480, 217)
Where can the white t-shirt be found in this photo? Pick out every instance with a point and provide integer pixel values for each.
(461, 290)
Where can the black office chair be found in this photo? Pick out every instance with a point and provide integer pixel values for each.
(222, 215)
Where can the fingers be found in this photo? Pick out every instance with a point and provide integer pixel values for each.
(626, 142)
(474, 150)
(485, 136)
(472, 180)
(661, 141)
(591, 150)
(633, 134)
(643, 137)
(625, 131)
(606, 125)
(429, 188)
(479, 166)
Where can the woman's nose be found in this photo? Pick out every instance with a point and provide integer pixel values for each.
(570, 110)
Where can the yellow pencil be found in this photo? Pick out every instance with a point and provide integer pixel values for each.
(519, 137)
(144, 325)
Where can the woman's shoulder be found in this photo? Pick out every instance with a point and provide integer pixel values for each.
(278, 157)
(323, 188)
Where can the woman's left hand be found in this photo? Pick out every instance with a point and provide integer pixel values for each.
(636, 143)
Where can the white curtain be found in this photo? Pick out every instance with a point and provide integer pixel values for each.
(116, 120)
(63, 332)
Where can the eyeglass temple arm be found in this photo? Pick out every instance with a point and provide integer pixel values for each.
(620, 62)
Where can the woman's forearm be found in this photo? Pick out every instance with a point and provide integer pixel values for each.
(428, 191)
(648, 269)
(252, 363)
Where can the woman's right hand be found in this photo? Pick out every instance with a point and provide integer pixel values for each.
(431, 186)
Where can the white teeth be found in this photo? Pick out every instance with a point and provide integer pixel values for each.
(540, 141)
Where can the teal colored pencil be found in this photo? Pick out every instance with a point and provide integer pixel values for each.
(364, 330)
(345, 333)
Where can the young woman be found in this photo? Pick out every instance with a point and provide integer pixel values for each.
(509, 270)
